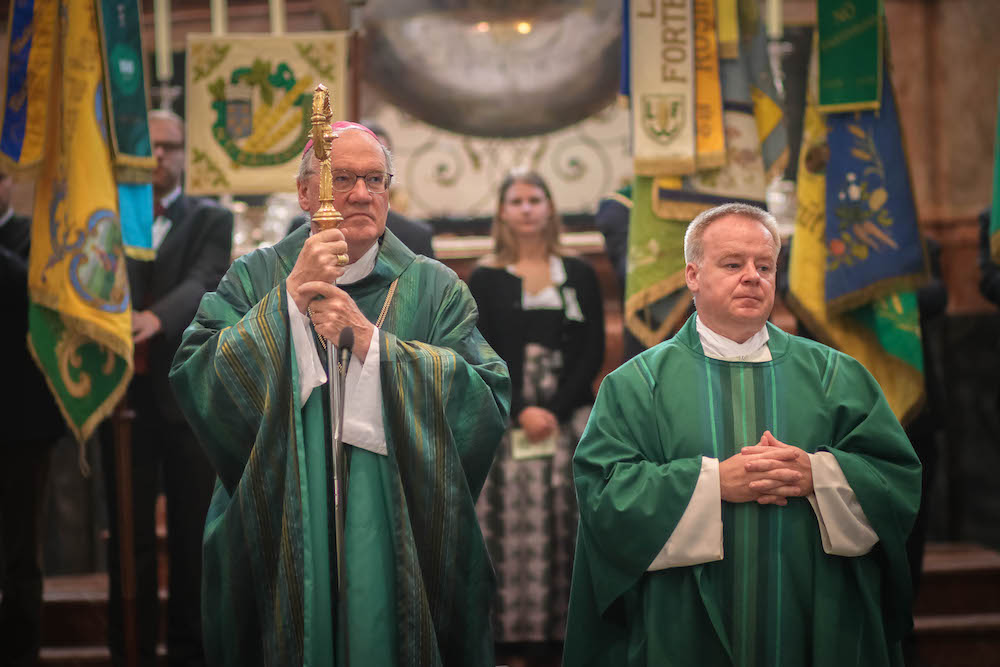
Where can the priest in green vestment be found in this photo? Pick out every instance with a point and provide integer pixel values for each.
(426, 404)
(745, 495)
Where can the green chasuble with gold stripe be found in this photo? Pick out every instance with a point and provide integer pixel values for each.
(776, 598)
(420, 582)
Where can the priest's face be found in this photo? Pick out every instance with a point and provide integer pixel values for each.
(364, 212)
(733, 285)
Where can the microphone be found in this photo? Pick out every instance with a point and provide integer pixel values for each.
(345, 345)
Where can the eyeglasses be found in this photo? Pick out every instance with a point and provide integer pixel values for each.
(167, 146)
(377, 182)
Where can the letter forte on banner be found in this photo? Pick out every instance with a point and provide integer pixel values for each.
(663, 92)
(674, 40)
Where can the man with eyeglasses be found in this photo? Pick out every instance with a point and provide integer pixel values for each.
(192, 239)
(426, 403)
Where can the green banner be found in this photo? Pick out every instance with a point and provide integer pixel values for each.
(86, 378)
(125, 79)
(850, 54)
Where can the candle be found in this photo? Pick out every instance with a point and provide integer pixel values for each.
(219, 17)
(277, 8)
(775, 20)
(161, 25)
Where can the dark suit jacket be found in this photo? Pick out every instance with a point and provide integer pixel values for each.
(190, 261)
(29, 413)
(415, 234)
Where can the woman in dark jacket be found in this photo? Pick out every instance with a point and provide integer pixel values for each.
(541, 311)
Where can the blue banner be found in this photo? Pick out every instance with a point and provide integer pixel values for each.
(872, 238)
(135, 203)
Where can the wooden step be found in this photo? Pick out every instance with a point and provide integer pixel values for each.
(959, 578)
(87, 656)
(958, 640)
(75, 610)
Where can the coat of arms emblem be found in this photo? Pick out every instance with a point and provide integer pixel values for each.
(663, 117)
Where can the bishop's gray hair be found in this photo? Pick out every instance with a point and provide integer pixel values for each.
(694, 249)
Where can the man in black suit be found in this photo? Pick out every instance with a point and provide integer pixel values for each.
(193, 242)
(32, 424)
(415, 234)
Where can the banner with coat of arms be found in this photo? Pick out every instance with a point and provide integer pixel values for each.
(249, 102)
(79, 314)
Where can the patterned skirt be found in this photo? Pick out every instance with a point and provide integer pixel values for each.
(527, 511)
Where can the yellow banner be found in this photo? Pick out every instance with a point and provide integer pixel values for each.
(663, 92)
(711, 135)
(249, 101)
(729, 29)
(81, 332)
(31, 42)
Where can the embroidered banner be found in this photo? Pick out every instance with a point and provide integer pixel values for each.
(31, 42)
(663, 91)
(125, 82)
(249, 101)
(872, 237)
(883, 334)
(657, 299)
(729, 29)
(850, 54)
(768, 108)
(79, 317)
(128, 121)
(711, 136)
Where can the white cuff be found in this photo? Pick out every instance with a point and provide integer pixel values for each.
(363, 401)
(697, 538)
(311, 373)
(843, 526)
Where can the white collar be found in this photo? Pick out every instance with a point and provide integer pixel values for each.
(557, 272)
(170, 198)
(8, 214)
(717, 346)
(361, 268)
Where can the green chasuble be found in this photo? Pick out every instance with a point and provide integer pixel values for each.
(776, 598)
(420, 581)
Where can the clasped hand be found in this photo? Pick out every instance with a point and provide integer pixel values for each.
(538, 423)
(311, 286)
(769, 473)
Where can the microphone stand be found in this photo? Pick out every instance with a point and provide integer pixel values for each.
(337, 363)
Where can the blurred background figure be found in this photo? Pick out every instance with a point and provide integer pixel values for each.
(32, 425)
(415, 234)
(542, 312)
(611, 220)
(193, 241)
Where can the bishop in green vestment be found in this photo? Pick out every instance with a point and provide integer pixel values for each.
(432, 398)
(745, 495)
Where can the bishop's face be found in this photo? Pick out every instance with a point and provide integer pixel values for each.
(733, 286)
(364, 212)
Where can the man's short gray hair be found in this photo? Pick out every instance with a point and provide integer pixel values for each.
(694, 249)
(308, 165)
(167, 114)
